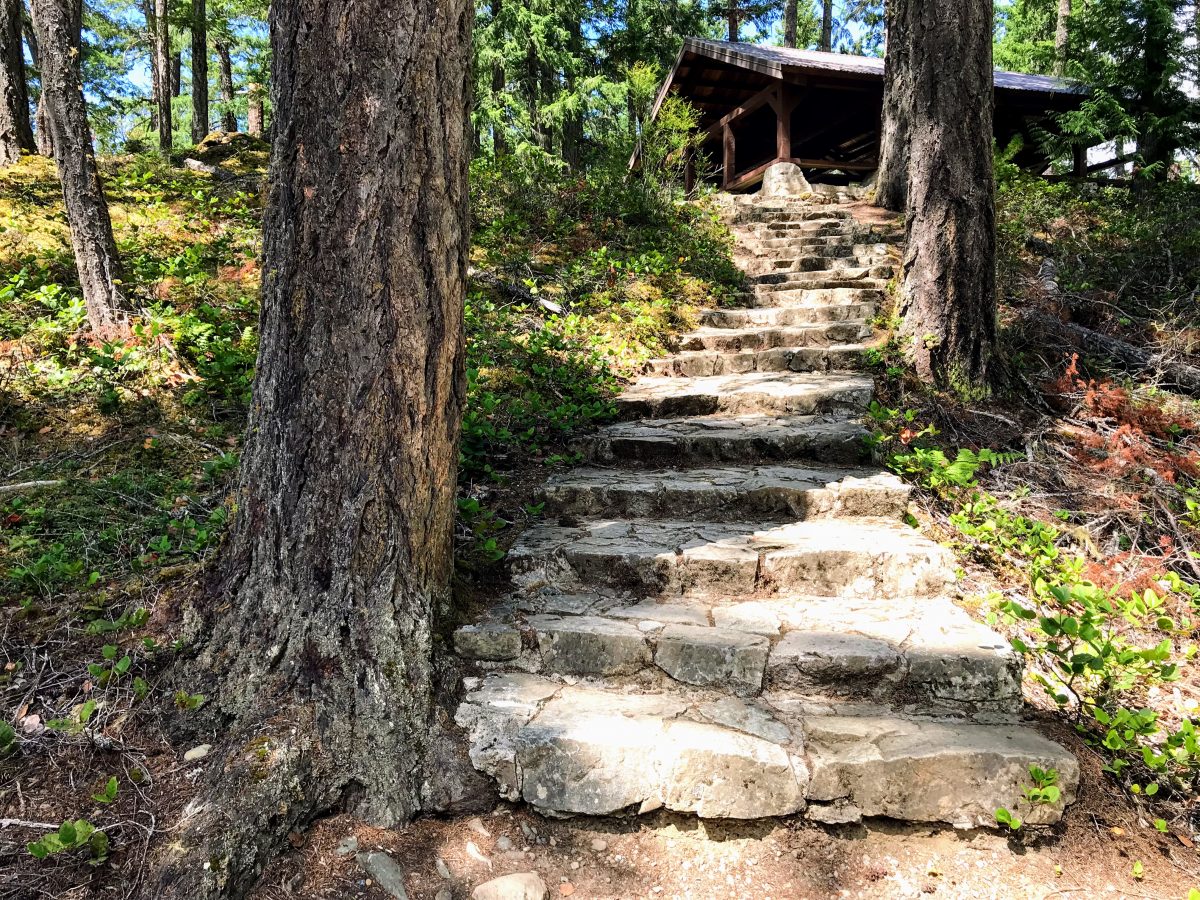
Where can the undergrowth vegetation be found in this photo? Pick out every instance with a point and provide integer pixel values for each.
(1073, 502)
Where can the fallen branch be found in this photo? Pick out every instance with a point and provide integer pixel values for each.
(1177, 374)
(514, 291)
(27, 486)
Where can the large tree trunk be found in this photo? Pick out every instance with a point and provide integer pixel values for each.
(255, 117)
(341, 549)
(162, 63)
(734, 18)
(499, 83)
(789, 23)
(16, 134)
(228, 115)
(949, 290)
(199, 71)
(177, 75)
(43, 133)
(891, 191)
(827, 25)
(1062, 37)
(57, 24)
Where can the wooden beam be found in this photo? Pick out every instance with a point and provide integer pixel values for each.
(762, 97)
(729, 150)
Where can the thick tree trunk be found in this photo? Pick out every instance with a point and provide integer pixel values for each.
(16, 134)
(57, 24)
(162, 62)
(827, 25)
(1062, 37)
(200, 119)
(229, 121)
(43, 132)
(891, 191)
(177, 75)
(341, 548)
(734, 17)
(499, 82)
(254, 109)
(789, 23)
(949, 290)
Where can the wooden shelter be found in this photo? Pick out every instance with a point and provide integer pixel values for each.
(822, 111)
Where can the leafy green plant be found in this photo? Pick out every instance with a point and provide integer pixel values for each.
(109, 793)
(73, 836)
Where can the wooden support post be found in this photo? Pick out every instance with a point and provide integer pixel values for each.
(729, 146)
(1079, 163)
(783, 104)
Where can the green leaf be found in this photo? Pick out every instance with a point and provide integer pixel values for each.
(1161, 825)
(1138, 870)
(38, 850)
(109, 794)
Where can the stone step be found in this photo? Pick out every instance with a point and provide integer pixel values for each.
(823, 306)
(572, 750)
(748, 438)
(833, 293)
(831, 259)
(769, 337)
(834, 557)
(726, 493)
(790, 214)
(785, 393)
(926, 656)
(702, 363)
(784, 280)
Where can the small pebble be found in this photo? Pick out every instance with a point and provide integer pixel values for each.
(442, 868)
(477, 826)
(197, 753)
(444, 894)
(504, 843)
(574, 865)
(553, 842)
(599, 845)
(347, 845)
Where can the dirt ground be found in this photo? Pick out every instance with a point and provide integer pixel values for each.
(1091, 854)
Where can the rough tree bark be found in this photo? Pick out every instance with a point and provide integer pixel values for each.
(44, 134)
(891, 191)
(225, 59)
(949, 289)
(827, 25)
(16, 134)
(321, 640)
(57, 25)
(789, 23)
(255, 117)
(176, 74)
(734, 16)
(499, 81)
(199, 70)
(162, 63)
(1062, 37)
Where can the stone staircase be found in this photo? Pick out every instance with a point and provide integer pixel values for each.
(724, 613)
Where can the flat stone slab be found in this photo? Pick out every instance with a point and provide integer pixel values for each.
(699, 655)
(597, 753)
(787, 316)
(594, 751)
(703, 363)
(732, 340)
(835, 557)
(923, 771)
(786, 393)
(589, 645)
(727, 492)
(728, 439)
(924, 650)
